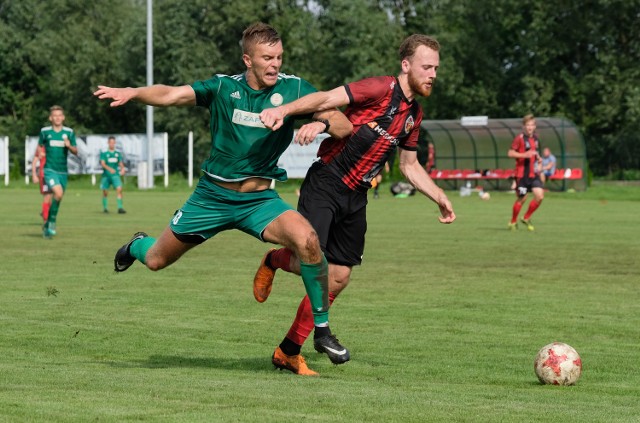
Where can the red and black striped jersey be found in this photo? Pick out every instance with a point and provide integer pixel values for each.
(522, 143)
(383, 119)
(41, 153)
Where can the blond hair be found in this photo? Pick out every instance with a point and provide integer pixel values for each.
(411, 43)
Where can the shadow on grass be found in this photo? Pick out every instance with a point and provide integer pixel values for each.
(172, 361)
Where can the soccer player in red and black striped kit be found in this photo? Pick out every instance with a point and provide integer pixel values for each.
(385, 115)
(524, 149)
(37, 175)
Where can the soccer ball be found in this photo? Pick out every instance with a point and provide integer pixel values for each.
(558, 364)
(402, 189)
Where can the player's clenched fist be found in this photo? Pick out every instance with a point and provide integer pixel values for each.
(272, 118)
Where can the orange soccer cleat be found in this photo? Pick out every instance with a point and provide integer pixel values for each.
(294, 363)
(263, 280)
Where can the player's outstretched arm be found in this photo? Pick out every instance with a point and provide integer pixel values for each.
(310, 103)
(154, 95)
(420, 179)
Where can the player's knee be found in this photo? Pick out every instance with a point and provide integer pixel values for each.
(338, 283)
(539, 195)
(155, 263)
(310, 251)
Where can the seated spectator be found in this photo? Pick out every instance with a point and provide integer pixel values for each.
(431, 158)
(548, 166)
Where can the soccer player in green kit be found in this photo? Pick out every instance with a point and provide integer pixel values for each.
(58, 141)
(234, 190)
(111, 162)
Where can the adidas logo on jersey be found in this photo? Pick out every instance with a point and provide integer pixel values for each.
(236, 95)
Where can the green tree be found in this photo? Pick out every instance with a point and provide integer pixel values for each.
(502, 58)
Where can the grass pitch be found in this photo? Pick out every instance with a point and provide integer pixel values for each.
(443, 321)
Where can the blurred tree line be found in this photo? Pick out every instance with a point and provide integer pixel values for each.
(578, 59)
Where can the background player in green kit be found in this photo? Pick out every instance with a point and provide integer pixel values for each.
(110, 161)
(233, 192)
(57, 140)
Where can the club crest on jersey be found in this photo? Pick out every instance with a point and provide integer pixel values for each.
(276, 99)
(408, 124)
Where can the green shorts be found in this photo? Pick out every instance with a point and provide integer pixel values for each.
(212, 209)
(53, 178)
(110, 179)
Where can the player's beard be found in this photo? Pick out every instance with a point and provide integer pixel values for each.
(419, 87)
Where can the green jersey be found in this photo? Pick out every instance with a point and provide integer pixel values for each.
(55, 149)
(241, 146)
(112, 159)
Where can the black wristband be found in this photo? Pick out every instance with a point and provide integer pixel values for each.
(326, 123)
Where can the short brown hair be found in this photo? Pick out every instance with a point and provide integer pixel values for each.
(54, 108)
(258, 33)
(528, 118)
(411, 43)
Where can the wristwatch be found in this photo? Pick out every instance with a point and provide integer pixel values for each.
(326, 123)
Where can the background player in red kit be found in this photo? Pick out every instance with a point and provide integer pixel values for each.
(385, 115)
(524, 149)
(37, 176)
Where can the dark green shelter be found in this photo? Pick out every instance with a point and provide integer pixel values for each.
(480, 145)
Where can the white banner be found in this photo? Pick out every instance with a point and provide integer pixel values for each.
(297, 159)
(132, 147)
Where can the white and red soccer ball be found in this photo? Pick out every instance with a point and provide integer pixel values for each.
(558, 364)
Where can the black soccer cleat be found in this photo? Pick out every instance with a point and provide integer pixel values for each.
(330, 345)
(124, 259)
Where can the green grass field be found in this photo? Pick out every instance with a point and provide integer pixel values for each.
(443, 321)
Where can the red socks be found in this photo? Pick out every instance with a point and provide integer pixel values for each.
(517, 206)
(303, 324)
(45, 210)
(281, 259)
(533, 206)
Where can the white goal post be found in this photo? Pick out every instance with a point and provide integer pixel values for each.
(4, 158)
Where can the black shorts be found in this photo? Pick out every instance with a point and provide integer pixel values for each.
(337, 213)
(526, 185)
